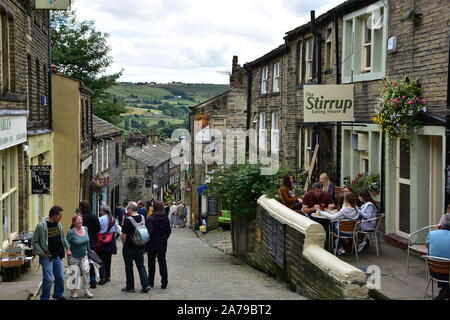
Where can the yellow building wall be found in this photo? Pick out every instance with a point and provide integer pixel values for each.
(41, 146)
(66, 142)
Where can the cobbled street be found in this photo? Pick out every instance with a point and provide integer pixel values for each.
(197, 271)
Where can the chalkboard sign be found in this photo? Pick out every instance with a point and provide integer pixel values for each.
(213, 207)
(40, 179)
(276, 241)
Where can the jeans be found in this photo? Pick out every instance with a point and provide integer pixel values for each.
(105, 269)
(136, 255)
(441, 285)
(52, 268)
(162, 268)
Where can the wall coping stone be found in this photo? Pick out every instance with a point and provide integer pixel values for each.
(352, 278)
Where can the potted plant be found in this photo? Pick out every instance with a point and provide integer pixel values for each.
(98, 183)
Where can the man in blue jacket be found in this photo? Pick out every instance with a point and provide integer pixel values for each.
(50, 244)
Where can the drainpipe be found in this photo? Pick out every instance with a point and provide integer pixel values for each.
(49, 98)
(248, 69)
(338, 81)
(447, 137)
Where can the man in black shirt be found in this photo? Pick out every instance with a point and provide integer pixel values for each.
(50, 244)
(132, 252)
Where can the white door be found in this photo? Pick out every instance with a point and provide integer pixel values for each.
(403, 185)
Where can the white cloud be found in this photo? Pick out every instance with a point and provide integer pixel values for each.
(181, 40)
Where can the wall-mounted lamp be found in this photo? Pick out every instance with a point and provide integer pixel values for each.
(412, 16)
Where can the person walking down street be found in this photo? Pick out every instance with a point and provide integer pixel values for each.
(173, 215)
(91, 222)
(181, 215)
(78, 239)
(106, 243)
(133, 252)
(188, 218)
(166, 209)
(438, 244)
(159, 228)
(142, 209)
(120, 214)
(50, 244)
(149, 207)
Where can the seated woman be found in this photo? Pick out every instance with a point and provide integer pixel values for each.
(368, 211)
(349, 211)
(327, 185)
(290, 196)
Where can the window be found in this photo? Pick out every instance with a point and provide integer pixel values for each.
(262, 131)
(107, 154)
(364, 44)
(96, 159)
(38, 90)
(276, 77)
(309, 59)
(8, 193)
(82, 120)
(308, 152)
(29, 88)
(102, 160)
(264, 79)
(117, 154)
(328, 49)
(219, 124)
(275, 135)
(6, 55)
(364, 162)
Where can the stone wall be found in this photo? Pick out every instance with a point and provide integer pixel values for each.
(305, 265)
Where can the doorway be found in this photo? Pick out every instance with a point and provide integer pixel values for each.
(403, 187)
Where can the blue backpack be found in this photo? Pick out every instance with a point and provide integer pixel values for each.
(141, 235)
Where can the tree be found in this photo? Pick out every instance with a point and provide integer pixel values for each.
(81, 52)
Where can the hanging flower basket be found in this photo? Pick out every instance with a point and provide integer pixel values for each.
(98, 183)
(399, 108)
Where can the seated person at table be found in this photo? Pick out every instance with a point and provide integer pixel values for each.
(438, 244)
(315, 198)
(347, 212)
(327, 185)
(368, 211)
(290, 196)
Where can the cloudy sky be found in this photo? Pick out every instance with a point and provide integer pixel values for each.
(190, 40)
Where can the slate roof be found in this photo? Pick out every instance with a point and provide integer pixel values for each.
(148, 155)
(103, 129)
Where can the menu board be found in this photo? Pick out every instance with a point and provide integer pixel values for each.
(213, 207)
(276, 241)
(40, 179)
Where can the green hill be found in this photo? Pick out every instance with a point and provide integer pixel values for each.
(148, 103)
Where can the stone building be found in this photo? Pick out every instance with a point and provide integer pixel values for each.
(226, 111)
(359, 43)
(25, 114)
(107, 163)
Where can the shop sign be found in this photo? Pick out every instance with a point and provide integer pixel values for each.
(13, 131)
(328, 103)
(40, 179)
(52, 4)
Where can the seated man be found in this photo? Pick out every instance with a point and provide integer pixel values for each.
(438, 243)
(316, 197)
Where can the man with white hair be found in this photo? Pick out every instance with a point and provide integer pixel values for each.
(438, 243)
(133, 252)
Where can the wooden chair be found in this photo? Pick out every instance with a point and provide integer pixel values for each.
(417, 246)
(350, 227)
(283, 202)
(439, 266)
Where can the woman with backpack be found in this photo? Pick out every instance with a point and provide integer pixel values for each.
(106, 243)
(159, 228)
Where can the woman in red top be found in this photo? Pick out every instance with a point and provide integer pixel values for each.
(290, 196)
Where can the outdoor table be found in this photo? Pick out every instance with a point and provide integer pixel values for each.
(324, 221)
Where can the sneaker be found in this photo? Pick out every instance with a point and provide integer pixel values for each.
(128, 290)
(441, 296)
(361, 246)
(59, 298)
(74, 295)
(87, 294)
(145, 290)
(102, 282)
(107, 280)
(164, 286)
(341, 251)
(93, 285)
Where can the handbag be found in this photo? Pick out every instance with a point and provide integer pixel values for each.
(104, 238)
(92, 255)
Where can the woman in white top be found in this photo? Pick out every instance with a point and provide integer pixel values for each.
(349, 211)
(173, 215)
(368, 211)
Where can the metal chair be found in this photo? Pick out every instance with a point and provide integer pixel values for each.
(436, 266)
(415, 245)
(349, 227)
(374, 232)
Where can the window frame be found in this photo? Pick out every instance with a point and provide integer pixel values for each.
(276, 77)
(309, 59)
(264, 80)
(275, 132)
(329, 48)
(261, 131)
(366, 45)
(300, 62)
